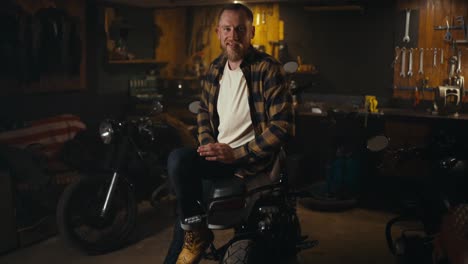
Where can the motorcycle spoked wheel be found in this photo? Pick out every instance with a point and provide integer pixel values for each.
(251, 250)
(78, 215)
(244, 251)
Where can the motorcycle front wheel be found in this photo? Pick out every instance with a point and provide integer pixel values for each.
(80, 223)
(244, 251)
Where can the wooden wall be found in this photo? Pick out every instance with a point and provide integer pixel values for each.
(351, 50)
(188, 36)
(431, 13)
(171, 25)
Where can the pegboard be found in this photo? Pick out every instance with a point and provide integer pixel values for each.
(426, 16)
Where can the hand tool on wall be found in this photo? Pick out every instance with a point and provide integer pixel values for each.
(406, 38)
(441, 56)
(421, 61)
(459, 61)
(434, 63)
(403, 62)
(447, 27)
(410, 66)
(397, 55)
(448, 35)
(452, 62)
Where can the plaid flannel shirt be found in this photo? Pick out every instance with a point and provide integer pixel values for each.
(270, 105)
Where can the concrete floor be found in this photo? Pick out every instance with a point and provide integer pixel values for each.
(352, 236)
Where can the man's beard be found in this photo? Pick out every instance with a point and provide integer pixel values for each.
(234, 54)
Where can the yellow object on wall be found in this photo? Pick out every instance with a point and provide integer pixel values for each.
(267, 27)
(182, 47)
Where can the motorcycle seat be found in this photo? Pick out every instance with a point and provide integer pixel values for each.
(234, 186)
(228, 187)
(231, 199)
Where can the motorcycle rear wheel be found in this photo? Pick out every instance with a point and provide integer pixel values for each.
(78, 215)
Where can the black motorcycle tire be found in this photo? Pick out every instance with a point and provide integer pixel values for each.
(244, 251)
(78, 210)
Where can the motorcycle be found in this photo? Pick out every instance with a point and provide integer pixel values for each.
(421, 218)
(262, 213)
(97, 213)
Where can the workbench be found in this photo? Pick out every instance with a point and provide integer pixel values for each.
(317, 136)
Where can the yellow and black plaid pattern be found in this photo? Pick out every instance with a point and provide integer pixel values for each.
(270, 105)
(461, 220)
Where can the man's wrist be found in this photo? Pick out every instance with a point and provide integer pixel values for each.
(240, 153)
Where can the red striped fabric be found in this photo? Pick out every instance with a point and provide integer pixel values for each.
(49, 133)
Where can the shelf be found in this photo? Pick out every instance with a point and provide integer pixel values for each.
(137, 61)
(461, 41)
(184, 78)
(307, 72)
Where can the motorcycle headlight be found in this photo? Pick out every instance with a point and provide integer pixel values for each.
(106, 131)
(157, 107)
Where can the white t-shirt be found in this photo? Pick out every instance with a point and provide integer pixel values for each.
(235, 124)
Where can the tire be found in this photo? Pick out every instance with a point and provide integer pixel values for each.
(78, 218)
(245, 251)
(293, 236)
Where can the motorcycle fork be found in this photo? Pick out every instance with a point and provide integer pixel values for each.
(115, 178)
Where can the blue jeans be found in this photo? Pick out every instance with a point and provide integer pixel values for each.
(191, 177)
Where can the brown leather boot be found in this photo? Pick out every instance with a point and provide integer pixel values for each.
(195, 244)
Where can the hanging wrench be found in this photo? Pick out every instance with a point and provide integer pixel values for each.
(403, 62)
(406, 38)
(421, 61)
(448, 35)
(459, 61)
(452, 62)
(441, 56)
(397, 55)
(434, 64)
(410, 66)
